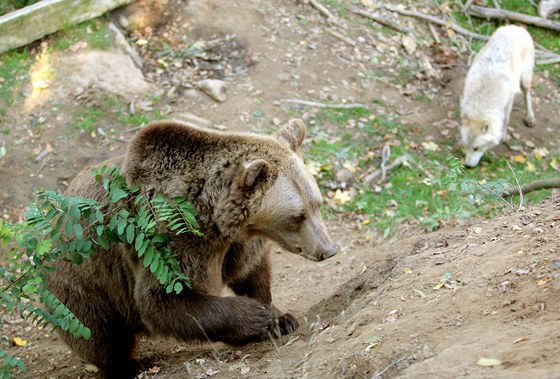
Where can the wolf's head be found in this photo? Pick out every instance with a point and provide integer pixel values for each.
(478, 136)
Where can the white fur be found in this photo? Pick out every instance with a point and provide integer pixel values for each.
(502, 68)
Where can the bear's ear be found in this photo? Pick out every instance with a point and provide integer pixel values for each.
(292, 133)
(253, 172)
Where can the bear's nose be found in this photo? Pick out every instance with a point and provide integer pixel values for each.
(330, 252)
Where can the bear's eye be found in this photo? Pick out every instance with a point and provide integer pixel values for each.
(298, 218)
(475, 149)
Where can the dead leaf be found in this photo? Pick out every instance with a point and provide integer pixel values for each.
(154, 370)
(477, 230)
(519, 158)
(408, 270)
(341, 197)
(540, 153)
(19, 342)
(543, 281)
(531, 167)
(430, 146)
(488, 362)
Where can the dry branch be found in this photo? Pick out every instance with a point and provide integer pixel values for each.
(322, 9)
(341, 37)
(379, 18)
(324, 105)
(435, 20)
(397, 162)
(501, 14)
(532, 186)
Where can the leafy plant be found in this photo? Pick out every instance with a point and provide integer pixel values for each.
(72, 228)
(456, 179)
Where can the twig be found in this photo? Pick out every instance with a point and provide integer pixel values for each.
(379, 18)
(518, 186)
(434, 33)
(385, 154)
(321, 8)
(435, 20)
(323, 105)
(532, 186)
(500, 14)
(341, 37)
(397, 162)
(378, 375)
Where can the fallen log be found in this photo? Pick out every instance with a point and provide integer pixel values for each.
(501, 14)
(28, 24)
(514, 190)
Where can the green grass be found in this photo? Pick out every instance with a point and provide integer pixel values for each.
(7, 6)
(14, 74)
(87, 119)
(94, 32)
(15, 65)
(409, 198)
(110, 109)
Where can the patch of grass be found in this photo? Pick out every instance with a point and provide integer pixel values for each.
(14, 73)
(112, 110)
(88, 118)
(353, 139)
(94, 32)
(7, 6)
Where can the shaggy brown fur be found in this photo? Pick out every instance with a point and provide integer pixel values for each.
(234, 182)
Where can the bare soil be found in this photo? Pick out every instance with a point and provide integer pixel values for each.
(439, 305)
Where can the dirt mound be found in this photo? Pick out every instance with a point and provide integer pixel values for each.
(440, 305)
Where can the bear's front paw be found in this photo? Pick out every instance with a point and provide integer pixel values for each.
(284, 324)
(249, 322)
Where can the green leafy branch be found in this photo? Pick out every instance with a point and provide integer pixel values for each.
(72, 228)
(457, 179)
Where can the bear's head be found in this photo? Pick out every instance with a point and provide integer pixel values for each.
(242, 185)
(289, 210)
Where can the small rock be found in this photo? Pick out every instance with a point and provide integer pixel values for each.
(409, 44)
(283, 77)
(214, 88)
(343, 175)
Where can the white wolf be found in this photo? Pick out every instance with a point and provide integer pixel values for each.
(498, 72)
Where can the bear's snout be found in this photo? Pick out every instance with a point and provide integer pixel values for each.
(328, 253)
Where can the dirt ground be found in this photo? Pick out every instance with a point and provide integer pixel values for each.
(479, 300)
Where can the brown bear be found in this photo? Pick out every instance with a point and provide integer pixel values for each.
(248, 190)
